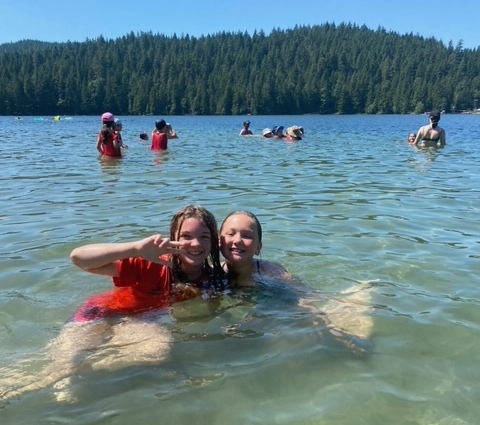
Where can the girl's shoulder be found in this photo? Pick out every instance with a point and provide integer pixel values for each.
(277, 272)
(272, 270)
(269, 265)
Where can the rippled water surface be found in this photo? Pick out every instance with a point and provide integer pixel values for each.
(349, 205)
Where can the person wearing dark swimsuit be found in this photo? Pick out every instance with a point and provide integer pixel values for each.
(431, 135)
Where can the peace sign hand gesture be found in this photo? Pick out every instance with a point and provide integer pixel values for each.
(155, 246)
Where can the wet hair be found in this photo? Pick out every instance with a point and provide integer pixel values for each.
(434, 117)
(249, 214)
(107, 130)
(231, 274)
(159, 125)
(212, 263)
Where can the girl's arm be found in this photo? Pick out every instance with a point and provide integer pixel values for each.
(278, 272)
(419, 136)
(99, 144)
(117, 141)
(102, 258)
(171, 134)
(443, 138)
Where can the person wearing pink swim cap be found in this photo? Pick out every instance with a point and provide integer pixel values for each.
(107, 117)
(108, 144)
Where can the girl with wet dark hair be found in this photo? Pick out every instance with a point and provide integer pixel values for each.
(431, 135)
(146, 272)
(212, 264)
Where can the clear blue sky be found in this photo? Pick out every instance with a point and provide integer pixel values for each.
(77, 20)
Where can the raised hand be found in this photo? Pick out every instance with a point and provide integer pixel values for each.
(155, 246)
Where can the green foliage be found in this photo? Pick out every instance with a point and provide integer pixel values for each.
(324, 69)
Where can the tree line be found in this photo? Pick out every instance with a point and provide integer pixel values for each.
(322, 69)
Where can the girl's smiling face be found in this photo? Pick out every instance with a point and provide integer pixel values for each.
(197, 242)
(239, 239)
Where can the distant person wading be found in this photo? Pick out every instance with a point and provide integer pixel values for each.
(431, 135)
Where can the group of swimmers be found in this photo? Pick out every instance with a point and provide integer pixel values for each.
(110, 144)
(431, 135)
(109, 139)
(294, 132)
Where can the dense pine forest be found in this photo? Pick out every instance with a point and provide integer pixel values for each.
(325, 69)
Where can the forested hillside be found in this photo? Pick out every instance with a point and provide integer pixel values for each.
(322, 69)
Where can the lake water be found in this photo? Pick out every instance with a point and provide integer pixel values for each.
(350, 205)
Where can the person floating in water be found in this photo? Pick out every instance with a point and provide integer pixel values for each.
(278, 132)
(411, 138)
(267, 133)
(294, 133)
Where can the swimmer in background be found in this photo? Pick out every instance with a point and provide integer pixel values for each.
(294, 133)
(431, 135)
(161, 134)
(143, 136)
(246, 129)
(278, 132)
(411, 138)
(267, 133)
(107, 143)
(118, 127)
